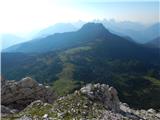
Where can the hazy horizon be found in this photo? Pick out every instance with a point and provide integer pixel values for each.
(25, 16)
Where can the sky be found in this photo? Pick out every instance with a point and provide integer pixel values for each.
(29, 15)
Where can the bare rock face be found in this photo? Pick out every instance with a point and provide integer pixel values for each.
(104, 94)
(19, 94)
(92, 102)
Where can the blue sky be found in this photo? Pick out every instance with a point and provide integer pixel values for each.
(28, 15)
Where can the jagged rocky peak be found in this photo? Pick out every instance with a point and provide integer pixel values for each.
(93, 27)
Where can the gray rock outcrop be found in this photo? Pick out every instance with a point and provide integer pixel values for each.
(104, 94)
(92, 102)
(19, 94)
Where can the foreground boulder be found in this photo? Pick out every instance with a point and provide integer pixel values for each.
(17, 95)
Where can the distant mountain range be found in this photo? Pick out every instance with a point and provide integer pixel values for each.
(57, 28)
(91, 54)
(136, 31)
(124, 29)
(132, 30)
(155, 43)
(62, 40)
(8, 40)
